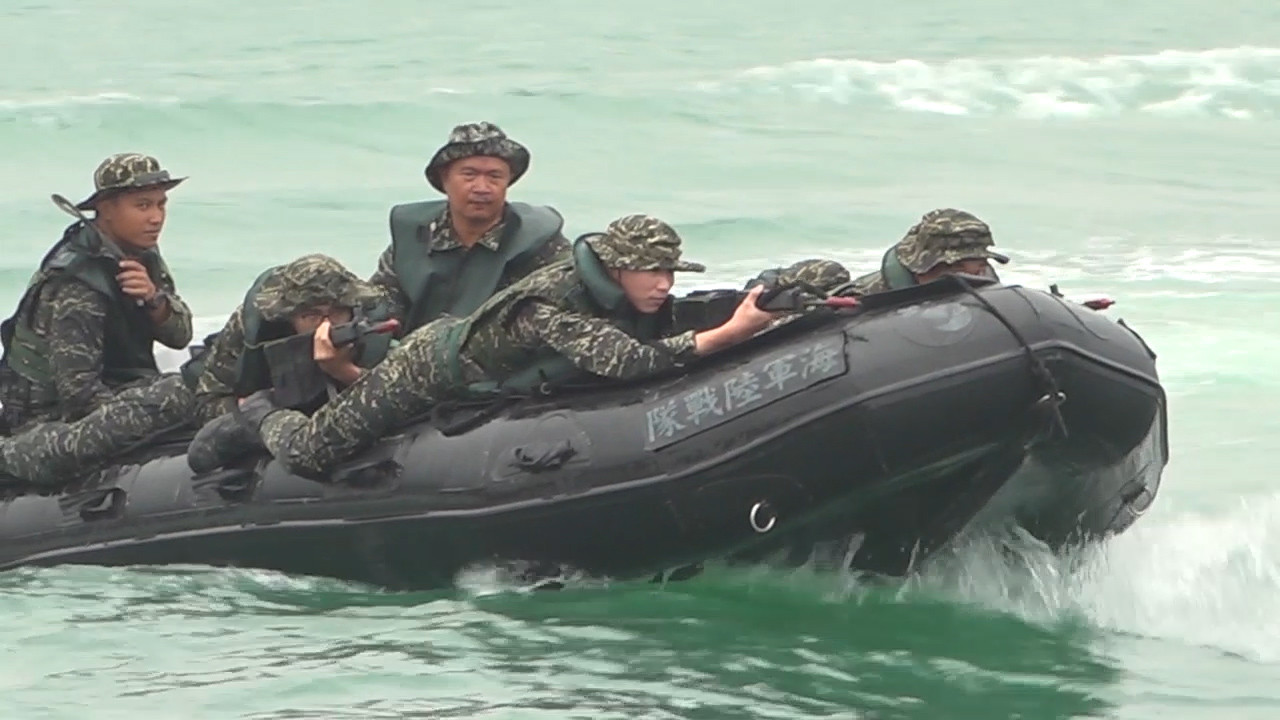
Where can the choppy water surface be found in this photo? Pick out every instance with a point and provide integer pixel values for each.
(1127, 150)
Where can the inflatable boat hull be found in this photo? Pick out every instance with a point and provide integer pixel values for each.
(898, 425)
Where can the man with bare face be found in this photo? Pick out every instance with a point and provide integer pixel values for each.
(447, 257)
(78, 379)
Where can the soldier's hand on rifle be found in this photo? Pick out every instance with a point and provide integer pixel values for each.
(338, 364)
(746, 321)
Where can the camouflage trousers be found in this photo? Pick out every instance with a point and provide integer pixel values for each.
(55, 453)
(412, 378)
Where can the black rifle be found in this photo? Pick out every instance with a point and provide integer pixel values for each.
(296, 378)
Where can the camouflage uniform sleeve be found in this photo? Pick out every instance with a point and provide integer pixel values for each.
(176, 330)
(870, 283)
(78, 318)
(215, 389)
(387, 284)
(597, 346)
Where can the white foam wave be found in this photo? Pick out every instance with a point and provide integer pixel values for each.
(66, 111)
(1187, 272)
(43, 109)
(1202, 580)
(67, 101)
(1237, 83)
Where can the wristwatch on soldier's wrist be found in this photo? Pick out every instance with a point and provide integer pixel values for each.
(157, 301)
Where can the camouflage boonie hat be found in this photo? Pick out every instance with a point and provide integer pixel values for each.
(640, 242)
(946, 235)
(822, 274)
(127, 171)
(471, 140)
(309, 282)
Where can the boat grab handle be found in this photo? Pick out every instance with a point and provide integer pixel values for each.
(106, 504)
(543, 456)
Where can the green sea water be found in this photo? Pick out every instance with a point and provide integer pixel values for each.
(1131, 149)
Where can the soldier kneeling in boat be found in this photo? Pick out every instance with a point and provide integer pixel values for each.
(607, 313)
(280, 338)
(79, 380)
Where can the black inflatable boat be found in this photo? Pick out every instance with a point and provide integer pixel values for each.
(897, 423)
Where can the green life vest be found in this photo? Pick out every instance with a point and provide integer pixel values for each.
(457, 282)
(252, 371)
(128, 351)
(607, 293)
(590, 286)
(895, 274)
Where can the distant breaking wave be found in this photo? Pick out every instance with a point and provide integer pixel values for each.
(61, 101)
(1232, 83)
(68, 109)
(1239, 83)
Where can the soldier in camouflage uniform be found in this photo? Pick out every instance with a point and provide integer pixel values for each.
(945, 241)
(449, 257)
(304, 296)
(79, 380)
(588, 314)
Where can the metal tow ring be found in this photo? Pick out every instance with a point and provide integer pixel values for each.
(754, 517)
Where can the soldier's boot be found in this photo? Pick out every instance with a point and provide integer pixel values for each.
(231, 436)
